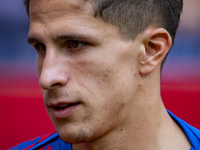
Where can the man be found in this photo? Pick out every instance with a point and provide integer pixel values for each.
(99, 65)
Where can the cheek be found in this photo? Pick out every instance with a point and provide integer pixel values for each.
(103, 91)
(96, 81)
(106, 79)
(91, 73)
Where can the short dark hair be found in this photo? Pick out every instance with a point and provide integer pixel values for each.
(134, 16)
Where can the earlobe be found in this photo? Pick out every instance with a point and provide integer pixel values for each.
(157, 44)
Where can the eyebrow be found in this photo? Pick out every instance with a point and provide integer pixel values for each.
(74, 37)
(62, 38)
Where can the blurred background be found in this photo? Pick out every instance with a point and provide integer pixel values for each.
(22, 112)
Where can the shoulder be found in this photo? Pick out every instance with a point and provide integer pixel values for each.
(192, 133)
(48, 141)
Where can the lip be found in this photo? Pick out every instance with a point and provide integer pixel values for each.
(61, 110)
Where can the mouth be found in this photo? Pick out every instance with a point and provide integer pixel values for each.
(63, 110)
(63, 106)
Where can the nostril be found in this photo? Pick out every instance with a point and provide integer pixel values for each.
(56, 84)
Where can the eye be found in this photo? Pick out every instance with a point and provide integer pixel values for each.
(72, 44)
(41, 48)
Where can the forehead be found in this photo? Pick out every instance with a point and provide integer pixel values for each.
(53, 18)
(53, 8)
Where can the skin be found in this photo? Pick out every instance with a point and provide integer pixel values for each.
(82, 59)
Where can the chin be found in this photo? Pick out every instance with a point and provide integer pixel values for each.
(75, 136)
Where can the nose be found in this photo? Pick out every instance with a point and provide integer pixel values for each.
(52, 71)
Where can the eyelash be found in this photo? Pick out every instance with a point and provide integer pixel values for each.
(73, 44)
(69, 44)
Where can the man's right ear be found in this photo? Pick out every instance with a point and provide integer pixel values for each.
(157, 43)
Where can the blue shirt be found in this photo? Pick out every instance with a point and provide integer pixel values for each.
(192, 133)
(54, 142)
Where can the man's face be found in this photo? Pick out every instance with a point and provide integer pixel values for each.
(87, 71)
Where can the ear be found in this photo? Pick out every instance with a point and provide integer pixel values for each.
(157, 43)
